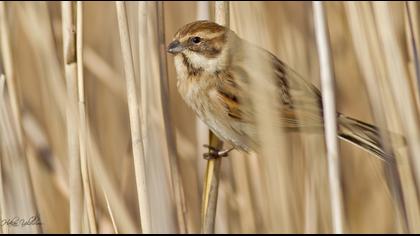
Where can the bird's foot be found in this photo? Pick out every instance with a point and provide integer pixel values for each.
(215, 153)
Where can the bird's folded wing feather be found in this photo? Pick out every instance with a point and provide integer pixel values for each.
(300, 101)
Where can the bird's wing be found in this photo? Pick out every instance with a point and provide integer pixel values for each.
(229, 94)
(300, 103)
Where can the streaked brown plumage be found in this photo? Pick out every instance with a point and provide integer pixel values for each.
(213, 77)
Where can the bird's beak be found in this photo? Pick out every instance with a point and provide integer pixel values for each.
(175, 47)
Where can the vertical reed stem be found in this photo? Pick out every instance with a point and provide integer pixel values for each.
(413, 43)
(6, 54)
(111, 214)
(133, 107)
(4, 228)
(330, 117)
(110, 189)
(87, 191)
(69, 54)
(211, 189)
(365, 50)
(398, 79)
(212, 175)
(167, 119)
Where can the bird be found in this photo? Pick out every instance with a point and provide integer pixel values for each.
(213, 67)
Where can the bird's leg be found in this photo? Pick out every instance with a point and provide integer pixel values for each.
(215, 153)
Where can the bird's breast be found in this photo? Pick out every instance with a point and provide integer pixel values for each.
(205, 100)
(200, 93)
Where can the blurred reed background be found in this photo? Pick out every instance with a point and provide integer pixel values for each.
(66, 122)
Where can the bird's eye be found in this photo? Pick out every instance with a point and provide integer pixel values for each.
(196, 40)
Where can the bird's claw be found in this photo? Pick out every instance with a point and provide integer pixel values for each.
(215, 153)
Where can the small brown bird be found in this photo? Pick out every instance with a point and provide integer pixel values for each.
(213, 74)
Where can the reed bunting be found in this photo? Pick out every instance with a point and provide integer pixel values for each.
(213, 79)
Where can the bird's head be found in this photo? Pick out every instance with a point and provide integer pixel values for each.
(202, 45)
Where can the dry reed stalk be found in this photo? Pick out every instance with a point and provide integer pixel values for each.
(42, 40)
(100, 173)
(245, 207)
(398, 79)
(212, 175)
(21, 189)
(17, 184)
(330, 122)
(253, 169)
(7, 60)
(138, 154)
(156, 146)
(275, 189)
(37, 13)
(69, 55)
(97, 65)
(279, 199)
(211, 189)
(231, 203)
(266, 206)
(295, 48)
(202, 131)
(119, 212)
(167, 122)
(5, 148)
(19, 157)
(3, 214)
(310, 205)
(47, 187)
(143, 67)
(412, 32)
(52, 92)
(102, 179)
(412, 40)
(361, 23)
(87, 189)
(111, 215)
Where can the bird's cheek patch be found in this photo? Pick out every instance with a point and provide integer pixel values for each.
(212, 48)
(205, 49)
(195, 48)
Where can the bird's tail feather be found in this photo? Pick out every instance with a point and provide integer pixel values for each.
(364, 135)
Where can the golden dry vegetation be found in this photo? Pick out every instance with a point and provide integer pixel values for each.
(72, 98)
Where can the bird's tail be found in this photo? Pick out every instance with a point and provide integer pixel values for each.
(365, 135)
